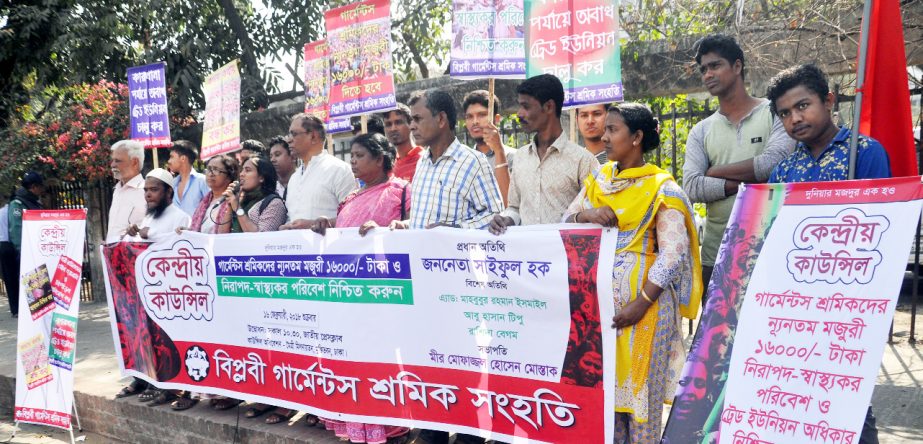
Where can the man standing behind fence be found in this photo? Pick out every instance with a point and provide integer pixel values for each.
(741, 142)
(551, 169)
(128, 205)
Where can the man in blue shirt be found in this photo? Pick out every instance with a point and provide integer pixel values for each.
(800, 97)
(189, 185)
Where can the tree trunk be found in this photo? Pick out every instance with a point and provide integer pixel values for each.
(248, 53)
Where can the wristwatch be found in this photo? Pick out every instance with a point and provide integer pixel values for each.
(240, 211)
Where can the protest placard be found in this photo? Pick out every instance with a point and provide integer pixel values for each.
(147, 104)
(487, 39)
(579, 43)
(221, 130)
(361, 68)
(317, 86)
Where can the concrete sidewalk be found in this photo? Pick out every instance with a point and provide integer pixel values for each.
(898, 398)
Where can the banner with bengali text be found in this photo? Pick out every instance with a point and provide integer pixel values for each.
(221, 130)
(49, 300)
(474, 333)
(797, 315)
(488, 40)
(579, 43)
(147, 104)
(317, 86)
(361, 68)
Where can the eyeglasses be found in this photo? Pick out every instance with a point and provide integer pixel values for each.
(215, 171)
(294, 134)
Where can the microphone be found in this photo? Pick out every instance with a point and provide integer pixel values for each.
(236, 185)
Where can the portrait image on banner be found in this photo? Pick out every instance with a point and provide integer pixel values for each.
(147, 104)
(221, 130)
(317, 86)
(361, 68)
(488, 39)
(801, 299)
(579, 43)
(499, 336)
(47, 335)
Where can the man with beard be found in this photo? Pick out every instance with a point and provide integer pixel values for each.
(163, 216)
(128, 206)
(591, 122)
(25, 198)
(397, 130)
(551, 169)
(483, 129)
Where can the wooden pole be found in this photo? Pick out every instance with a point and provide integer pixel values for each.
(156, 160)
(330, 144)
(490, 99)
(364, 124)
(573, 125)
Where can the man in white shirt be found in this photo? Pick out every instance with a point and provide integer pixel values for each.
(320, 182)
(163, 216)
(128, 206)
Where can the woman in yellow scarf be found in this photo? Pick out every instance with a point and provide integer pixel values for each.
(656, 277)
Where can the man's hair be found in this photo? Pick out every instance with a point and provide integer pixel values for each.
(638, 117)
(280, 140)
(437, 101)
(606, 106)
(134, 149)
(723, 45)
(401, 109)
(809, 76)
(480, 97)
(253, 145)
(373, 124)
(311, 124)
(185, 148)
(544, 87)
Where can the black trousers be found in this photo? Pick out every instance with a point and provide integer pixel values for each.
(9, 260)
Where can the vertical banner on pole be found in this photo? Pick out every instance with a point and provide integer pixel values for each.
(361, 69)
(221, 131)
(147, 100)
(798, 310)
(579, 43)
(487, 40)
(49, 285)
(317, 86)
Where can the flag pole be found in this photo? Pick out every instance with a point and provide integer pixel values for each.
(860, 84)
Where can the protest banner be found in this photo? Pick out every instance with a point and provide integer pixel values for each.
(361, 69)
(445, 329)
(47, 339)
(221, 130)
(147, 102)
(579, 43)
(487, 40)
(801, 299)
(317, 86)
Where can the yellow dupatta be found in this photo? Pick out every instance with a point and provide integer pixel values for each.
(635, 195)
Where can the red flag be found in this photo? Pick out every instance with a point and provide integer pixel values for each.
(886, 98)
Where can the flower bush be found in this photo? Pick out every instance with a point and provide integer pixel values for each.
(69, 142)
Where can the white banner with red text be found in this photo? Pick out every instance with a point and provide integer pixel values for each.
(49, 299)
(446, 329)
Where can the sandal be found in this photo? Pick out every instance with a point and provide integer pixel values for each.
(226, 403)
(149, 394)
(137, 386)
(164, 397)
(257, 410)
(311, 420)
(278, 415)
(183, 403)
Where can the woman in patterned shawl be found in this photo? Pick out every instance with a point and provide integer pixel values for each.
(657, 273)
